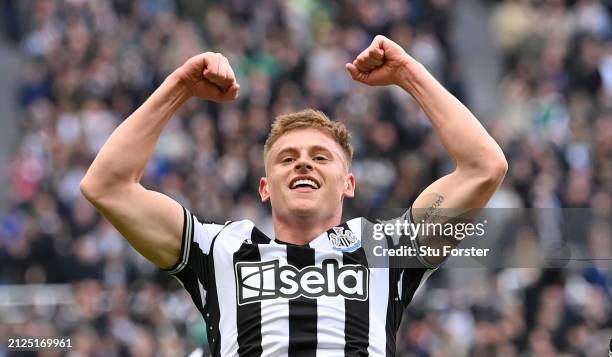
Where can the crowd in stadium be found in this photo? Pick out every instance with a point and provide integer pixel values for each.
(90, 63)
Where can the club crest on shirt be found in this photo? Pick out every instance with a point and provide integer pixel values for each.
(344, 240)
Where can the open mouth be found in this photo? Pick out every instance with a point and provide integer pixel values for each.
(304, 184)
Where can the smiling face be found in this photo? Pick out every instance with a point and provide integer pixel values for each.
(307, 176)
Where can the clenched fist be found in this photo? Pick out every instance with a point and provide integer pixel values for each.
(209, 76)
(382, 63)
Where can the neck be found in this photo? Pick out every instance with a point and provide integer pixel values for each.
(302, 230)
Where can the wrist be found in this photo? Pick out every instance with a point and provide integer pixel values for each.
(179, 85)
(410, 74)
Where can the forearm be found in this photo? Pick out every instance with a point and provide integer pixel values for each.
(465, 139)
(122, 159)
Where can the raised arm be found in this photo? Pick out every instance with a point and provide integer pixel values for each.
(151, 221)
(480, 163)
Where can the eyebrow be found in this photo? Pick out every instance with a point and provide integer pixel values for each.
(315, 148)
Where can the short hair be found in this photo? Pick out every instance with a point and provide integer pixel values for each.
(310, 119)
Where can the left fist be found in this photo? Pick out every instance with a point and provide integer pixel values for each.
(381, 64)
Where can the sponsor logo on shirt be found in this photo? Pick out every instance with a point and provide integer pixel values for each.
(258, 281)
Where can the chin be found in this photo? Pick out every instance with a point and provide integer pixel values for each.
(305, 211)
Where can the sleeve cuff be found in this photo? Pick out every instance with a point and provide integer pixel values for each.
(186, 239)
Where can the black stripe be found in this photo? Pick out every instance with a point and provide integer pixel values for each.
(412, 276)
(394, 313)
(212, 314)
(410, 283)
(248, 316)
(398, 300)
(302, 310)
(201, 269)
(356, 313)
(258, 237)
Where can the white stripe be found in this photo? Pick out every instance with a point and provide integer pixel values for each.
(203, 234)
(197, 352)
(355, 226)
(226, 244)
(274, 313)
(423, 280)
(330, 314)
(379, 290)
(378, 300)
(400, 282)
(202, 293)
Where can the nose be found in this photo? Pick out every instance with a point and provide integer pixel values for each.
(302, 164)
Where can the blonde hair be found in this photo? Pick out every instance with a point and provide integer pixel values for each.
(310, 119)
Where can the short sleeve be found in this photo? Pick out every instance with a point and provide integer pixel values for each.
(409, 272)
(194, 266)
(196, 242)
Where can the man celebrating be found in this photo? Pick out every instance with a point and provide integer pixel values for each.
(309, 291)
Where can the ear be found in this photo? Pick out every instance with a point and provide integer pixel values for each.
(264, 194)
(349, 186)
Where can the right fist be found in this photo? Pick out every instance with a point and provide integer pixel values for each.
(209, 76)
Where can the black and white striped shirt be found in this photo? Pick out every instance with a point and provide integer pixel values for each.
(260, 296)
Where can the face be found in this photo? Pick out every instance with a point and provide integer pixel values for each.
(307, 176)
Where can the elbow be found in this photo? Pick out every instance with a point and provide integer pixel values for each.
(495, 169)
(489, 170)
(89, 189)
(97, 191)
(102, 191)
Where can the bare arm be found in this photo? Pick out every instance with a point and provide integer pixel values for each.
(480, 163)
(151, 221)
